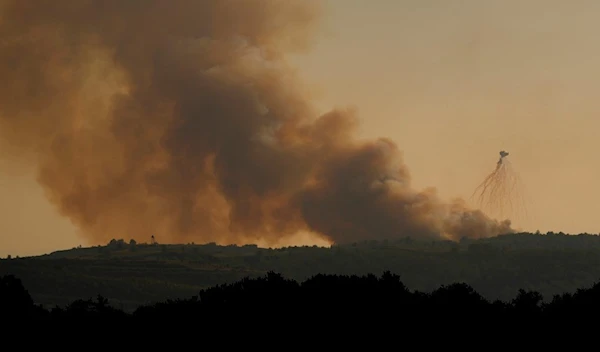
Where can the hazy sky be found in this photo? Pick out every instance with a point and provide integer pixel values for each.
(453, 83)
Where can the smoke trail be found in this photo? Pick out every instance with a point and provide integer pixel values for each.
(182, 118)
(500, 192)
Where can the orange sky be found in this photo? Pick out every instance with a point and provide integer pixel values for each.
(452, 83)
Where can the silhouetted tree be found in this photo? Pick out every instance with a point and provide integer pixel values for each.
(15, 301)
(132, 245)
(527, 302)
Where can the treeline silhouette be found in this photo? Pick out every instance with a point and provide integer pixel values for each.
(321, 298)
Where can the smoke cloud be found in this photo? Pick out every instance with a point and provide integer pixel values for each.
(182, 119)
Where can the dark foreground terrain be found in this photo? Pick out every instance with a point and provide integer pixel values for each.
(322, 300)
(131, 274)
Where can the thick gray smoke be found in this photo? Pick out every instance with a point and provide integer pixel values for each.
(182, 118)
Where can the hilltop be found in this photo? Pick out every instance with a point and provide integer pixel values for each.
(132, 274)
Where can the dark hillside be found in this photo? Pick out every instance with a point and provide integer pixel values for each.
(133, 274)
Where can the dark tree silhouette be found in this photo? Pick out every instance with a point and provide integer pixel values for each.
(323, 301)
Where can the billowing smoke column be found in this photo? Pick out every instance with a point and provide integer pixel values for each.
(181, 118)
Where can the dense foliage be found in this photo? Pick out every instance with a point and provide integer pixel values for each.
(322, 299)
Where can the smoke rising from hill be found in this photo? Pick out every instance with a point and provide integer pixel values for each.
(182, 118)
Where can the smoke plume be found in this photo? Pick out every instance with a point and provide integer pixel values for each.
(182, 119)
